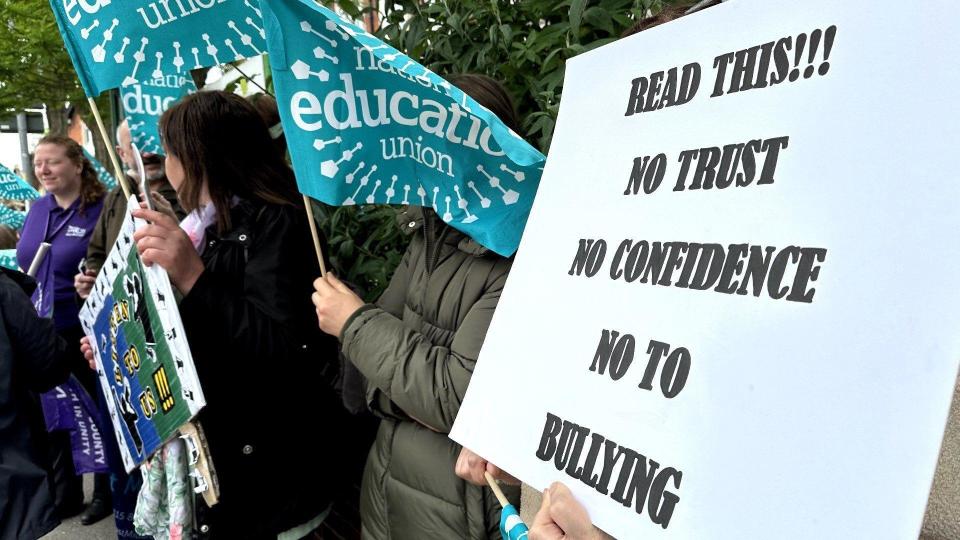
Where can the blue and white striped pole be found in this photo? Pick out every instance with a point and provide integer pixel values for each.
(511, 526)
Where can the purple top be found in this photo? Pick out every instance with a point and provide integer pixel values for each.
(68, 232)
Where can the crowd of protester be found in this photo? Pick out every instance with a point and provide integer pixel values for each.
(229, 227)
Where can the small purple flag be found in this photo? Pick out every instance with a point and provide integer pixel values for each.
(69, 407)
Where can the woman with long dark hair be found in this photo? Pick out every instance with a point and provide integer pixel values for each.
(243, 261)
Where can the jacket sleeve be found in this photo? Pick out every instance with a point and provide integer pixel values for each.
(98, 249)
(393, 298)
(426, 381)
(42, 354)
(260, 316)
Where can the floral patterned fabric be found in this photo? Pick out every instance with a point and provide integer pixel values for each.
(165, 504)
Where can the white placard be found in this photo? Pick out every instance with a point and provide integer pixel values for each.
(815, 404)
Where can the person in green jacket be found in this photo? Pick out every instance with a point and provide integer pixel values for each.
(417, 347)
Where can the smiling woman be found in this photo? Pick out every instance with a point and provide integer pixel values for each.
(59, 175)
(64, 217)
(65, 172)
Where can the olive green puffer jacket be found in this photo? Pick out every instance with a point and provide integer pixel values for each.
(417, 348)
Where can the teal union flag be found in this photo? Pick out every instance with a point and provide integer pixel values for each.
(121, 43)
(143, 104)
(12, 218)
(366, 124)
(8, 259)
(14, 188)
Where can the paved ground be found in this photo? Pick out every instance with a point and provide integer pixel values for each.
(73, 530)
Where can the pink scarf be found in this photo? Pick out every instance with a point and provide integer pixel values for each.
(196, 223)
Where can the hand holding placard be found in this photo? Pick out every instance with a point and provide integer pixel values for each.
(850, 371)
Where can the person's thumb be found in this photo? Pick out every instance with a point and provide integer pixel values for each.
(337, 284)
(543, 515)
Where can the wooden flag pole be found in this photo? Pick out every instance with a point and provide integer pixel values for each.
(117, 170)
(316, 236)
(496, 489)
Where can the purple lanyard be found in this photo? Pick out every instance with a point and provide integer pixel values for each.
(47, 237)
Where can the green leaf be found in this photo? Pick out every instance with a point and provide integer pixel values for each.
(599, 18)
(350, 8)
(576, 14)
(346, 248)
(454, 21)
(546, 65)
(507, 33)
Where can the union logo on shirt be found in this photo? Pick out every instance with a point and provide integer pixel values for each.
(75, 232)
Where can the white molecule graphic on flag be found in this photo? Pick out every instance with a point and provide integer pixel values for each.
(238, 33)
(366, 177)
(100, 52)
(367, 124)
(330, 167)
(365, 188)
(301, 70)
